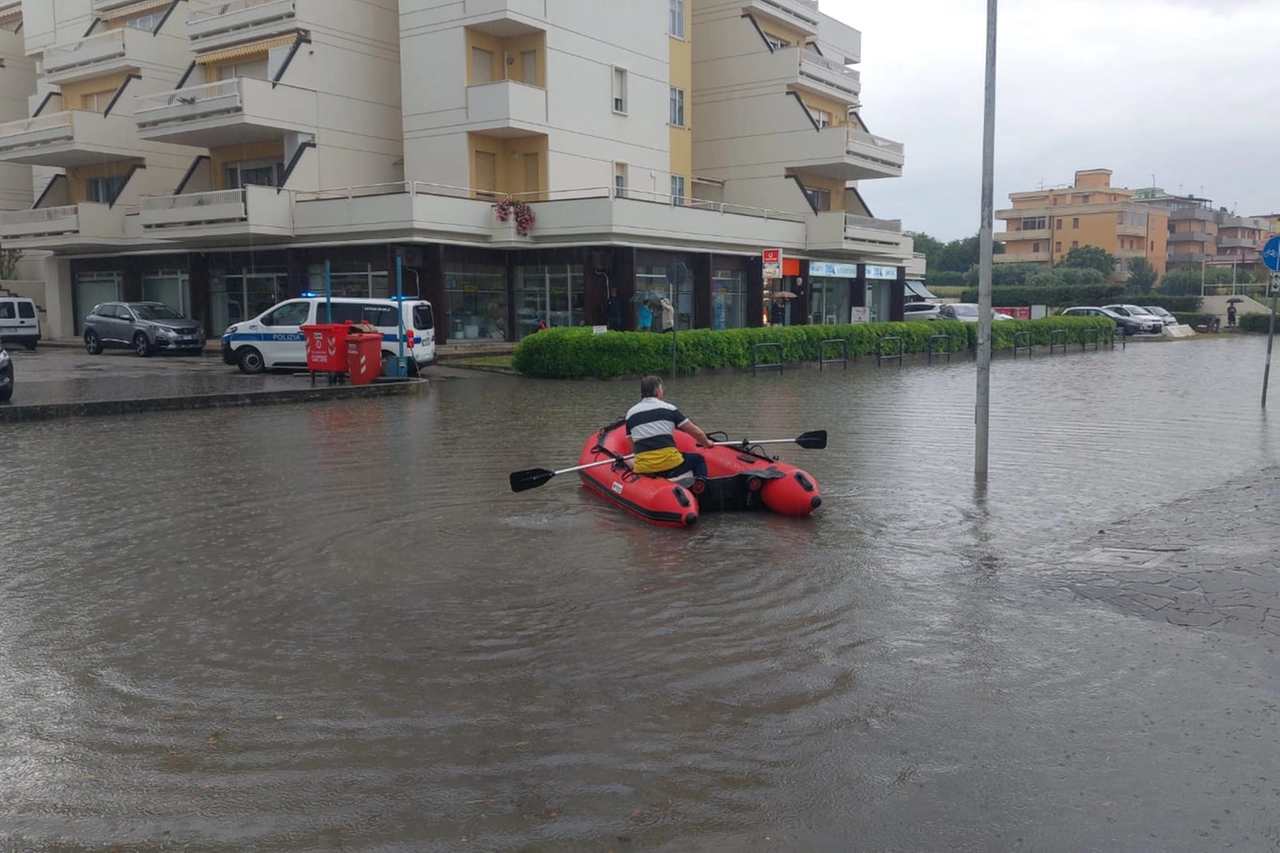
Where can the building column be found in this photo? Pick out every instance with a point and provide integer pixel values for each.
(624, 276)
(898, 296)
(858, 289)
(433, 290)
(701, 273)
(131, 279)
(755, 291)
(595, 288)
(198, 281)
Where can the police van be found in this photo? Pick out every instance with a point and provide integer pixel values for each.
(273, 340)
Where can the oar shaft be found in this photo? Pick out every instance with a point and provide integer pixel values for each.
(593, 464)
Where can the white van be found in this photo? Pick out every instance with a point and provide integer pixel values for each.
(273, 340)
(19, 321)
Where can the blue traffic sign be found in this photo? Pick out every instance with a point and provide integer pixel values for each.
(1271, 254)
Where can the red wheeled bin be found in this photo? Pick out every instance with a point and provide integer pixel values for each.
(364, 357)
(326, 348)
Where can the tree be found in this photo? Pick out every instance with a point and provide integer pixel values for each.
(9, 263)
(1090, 257)
(1142, 276)
(1188, 278)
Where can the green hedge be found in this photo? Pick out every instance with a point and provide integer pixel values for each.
(1192, 319)
(577, 353)
(1172, 304)
(1055, 297)
(1255, 322)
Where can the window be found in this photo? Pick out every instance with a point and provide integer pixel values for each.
(822, 117)
(1075, 222)
(289, 314)
(262, 173)
(675, 27)
(256, 69)
(620, 90)
(1035, 223)
(145, 22)
(775, 43)
(1057, 247)
(1059, 223)
(819, 199)
(1075, 244)
(677, 107)
(1153, 245)
(531, 179)
(677, 189)
(481, 66)
(6, 311)
(1084, 199)
(486, 171)
(1035, 247)
(104, 190)
(620, 180)
(97, 102)
(529, 67)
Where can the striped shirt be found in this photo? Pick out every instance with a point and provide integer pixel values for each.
(651, 426)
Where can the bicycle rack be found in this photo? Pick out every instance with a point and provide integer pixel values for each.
(1088, 337)
(773, 347)
(882, 356)
(841, 357)
(1057, 338)
(1022, 343)
(945, 350)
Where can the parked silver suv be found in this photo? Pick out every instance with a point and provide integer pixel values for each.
(143, 326)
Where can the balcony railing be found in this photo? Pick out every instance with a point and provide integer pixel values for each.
(217, 198)
(224, 92)
(228, 8)
(830, 73)
(857, 137)
(38, 216)
(32, 125)
(853, 220)
(103, 46)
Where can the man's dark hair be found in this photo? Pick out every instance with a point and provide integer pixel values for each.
(649, 386)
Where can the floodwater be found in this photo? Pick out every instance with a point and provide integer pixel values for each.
(335, 627)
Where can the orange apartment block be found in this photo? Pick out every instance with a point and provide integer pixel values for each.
(1042, 226)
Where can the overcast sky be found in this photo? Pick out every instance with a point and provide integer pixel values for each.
(1185, 90)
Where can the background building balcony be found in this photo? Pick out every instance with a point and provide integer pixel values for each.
(1022, 236)
(845, 153)
(536, 9)
(801, 15)
(862, 235)
(1198, 237)
(1022, 258)
(507, 108)
(1129, 230)
(1187, 257)
(87, 224)
(70, 138)
(260, 212)
(824, 76)
(222, 24)
(121, 49)
(1238, 242)
(229, 112)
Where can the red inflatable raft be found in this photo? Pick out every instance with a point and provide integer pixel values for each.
(740, 477)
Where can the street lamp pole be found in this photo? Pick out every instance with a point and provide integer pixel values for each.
(982, 413)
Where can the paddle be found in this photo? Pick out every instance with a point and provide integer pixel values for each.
(522, 481)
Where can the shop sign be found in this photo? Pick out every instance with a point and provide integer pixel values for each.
(882, 272)
(772, 263)
(821, 269)
(860, 314)
(1022, 312)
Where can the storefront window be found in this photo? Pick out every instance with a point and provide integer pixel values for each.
(728, 299)
(476, 301)
(655, 283)
(551, 294)
(93, 288)
(829, 302)
(239, 294)
(172, 287)
(357, 278)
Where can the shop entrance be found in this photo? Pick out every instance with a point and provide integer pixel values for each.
(552, 295)
(239, 295)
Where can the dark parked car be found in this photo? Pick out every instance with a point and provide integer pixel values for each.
(1129, 325)
(6, 376)
(143, 326)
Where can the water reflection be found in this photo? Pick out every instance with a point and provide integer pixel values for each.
(318, 626)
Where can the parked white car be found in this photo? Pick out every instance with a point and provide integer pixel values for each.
(1150, 322)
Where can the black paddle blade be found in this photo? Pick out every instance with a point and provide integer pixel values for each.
(522, 481)
(815, 440)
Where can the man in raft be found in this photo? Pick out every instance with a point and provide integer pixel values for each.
(651, 426)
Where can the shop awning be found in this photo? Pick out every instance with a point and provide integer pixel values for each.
(917, 287)
(243, 50)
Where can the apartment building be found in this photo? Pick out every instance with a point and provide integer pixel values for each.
(1042, 226)
(224, 155)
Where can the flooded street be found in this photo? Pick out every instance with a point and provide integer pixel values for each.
(335, 627)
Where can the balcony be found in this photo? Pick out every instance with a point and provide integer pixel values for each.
(1022, 258)
(861, 235)
(844, 153)
(1238, 242)
(1131, 230)
(824, 76)
(123, 49)
(87, 224)
(506, 9)
(801, 15)
(1187, 257)
(516, 108)
(235, 21)
(1022, 236)
(70, 138)
(230, 112)
(260, 212)
(1192, 237)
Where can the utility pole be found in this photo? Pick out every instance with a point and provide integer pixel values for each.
(982, 413)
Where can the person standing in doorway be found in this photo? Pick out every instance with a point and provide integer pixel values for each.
(668, 315)
(1231, 316)
(644, 317)
(613, 311)
(778, 313)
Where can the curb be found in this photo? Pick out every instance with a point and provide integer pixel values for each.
(240, 399)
